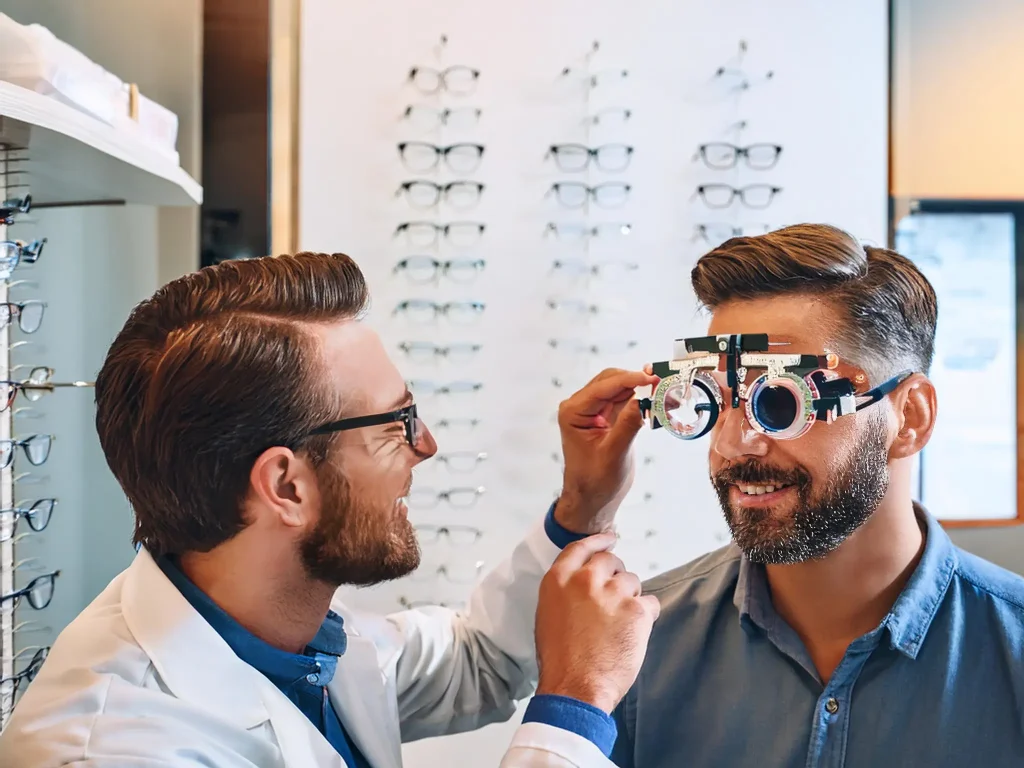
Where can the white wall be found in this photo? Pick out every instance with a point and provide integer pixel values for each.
(98, 263)
(826, 104)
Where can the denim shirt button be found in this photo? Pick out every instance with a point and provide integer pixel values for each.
(832, 706)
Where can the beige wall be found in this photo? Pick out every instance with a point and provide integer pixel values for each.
(958, 108)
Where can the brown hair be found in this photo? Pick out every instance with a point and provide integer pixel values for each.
(887, 307)
(213, 369)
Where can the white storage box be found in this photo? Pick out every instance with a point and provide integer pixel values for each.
(33, 58)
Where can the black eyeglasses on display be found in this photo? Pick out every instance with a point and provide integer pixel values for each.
(39, 592)
(461, 425)
(38, 515)
(414, 429)
(580, 347)
(723, 195)
(458, 80)
(16, 684)
(714, 234)
(576, 157)
(580, 268)
(575, 194)
(461, 234)
(28, 313)
(424, 311)
(17, 205)
(429, 118)
(15, 252)
(36, 447)
(454, 573)
(421, 156)
(721, 156)
(426, 269)
(460, 195)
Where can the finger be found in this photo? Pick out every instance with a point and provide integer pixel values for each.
(605, 565)
(651, 605)
(627, 583)
(649, 369)
(616, 387)
(578, 553)
(625, 427)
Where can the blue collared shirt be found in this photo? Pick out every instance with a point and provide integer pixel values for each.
(301, 677)
(727, 682)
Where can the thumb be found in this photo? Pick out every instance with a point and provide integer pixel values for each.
(626, 426)
(651, 605)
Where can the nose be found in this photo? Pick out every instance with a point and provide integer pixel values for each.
(733, 437)
(425, 446)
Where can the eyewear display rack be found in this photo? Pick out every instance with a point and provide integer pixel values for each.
(63, 158)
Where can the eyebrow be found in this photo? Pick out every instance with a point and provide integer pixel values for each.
(402, 401)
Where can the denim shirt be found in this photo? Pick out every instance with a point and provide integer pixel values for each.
(727, 682)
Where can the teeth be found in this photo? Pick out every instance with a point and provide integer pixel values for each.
(760, 490)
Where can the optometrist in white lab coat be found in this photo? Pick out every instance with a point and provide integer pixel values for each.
(140, 679)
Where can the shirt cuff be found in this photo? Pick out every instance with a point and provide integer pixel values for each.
(574, 716)
(560, 537)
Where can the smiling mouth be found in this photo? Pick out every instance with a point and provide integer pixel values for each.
(760, 490)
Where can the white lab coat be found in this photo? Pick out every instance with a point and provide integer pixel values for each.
(140, 680)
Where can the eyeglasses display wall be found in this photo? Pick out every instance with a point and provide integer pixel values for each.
(27, 584)
(527, 187)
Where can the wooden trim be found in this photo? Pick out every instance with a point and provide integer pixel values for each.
(1019, 520)
(285, 24)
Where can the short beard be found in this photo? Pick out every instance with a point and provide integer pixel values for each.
(821, 521)
(354, 542)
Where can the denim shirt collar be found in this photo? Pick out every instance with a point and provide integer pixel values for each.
(319, 660)
(911, 614)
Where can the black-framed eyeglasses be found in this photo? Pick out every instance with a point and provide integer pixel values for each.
(576, 157)
(425, 311)
(721, 156)
(575, 194)
(38, 515)
(14, 252)
(723, 195)
(17, 205)
(36, 447)
(16, 684)
(422, 156)
(408, 416)
(28, 313)
(459, 79)
(460, 535)
(39, 592)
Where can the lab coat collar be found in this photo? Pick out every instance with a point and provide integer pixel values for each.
(192, 659)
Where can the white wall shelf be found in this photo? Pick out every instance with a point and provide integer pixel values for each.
(75, 158)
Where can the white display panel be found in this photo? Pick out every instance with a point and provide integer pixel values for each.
(825, 104)
(968, 471)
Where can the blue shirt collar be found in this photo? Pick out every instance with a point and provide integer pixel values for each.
(316, 665)
(911, 614)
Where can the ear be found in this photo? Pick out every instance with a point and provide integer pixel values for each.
(284, 486)
(916, 407)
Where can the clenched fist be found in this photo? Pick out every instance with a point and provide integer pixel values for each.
(598, 426)
(592, 625)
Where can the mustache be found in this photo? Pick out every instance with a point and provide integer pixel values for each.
(754, 472)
